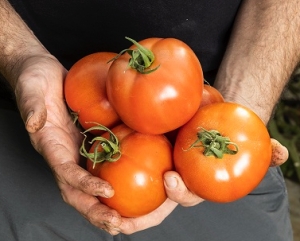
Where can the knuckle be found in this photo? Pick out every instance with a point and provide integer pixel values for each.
(104, 218)
(93, 185)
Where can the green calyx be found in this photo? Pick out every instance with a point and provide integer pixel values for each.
(214, 143)
(141, 58)
(105, 149)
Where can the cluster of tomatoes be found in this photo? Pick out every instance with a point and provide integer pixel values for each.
(149, 111)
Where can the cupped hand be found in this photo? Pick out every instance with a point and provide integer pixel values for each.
(178, 192)
(39, 94)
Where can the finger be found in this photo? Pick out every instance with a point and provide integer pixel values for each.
(31, 104)
(132, 225)
(280, 153)
(91, 208)
(178, 192)
(72, 174)
(62, 154)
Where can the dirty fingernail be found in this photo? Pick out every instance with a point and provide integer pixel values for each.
(108, 192)
(30, 114)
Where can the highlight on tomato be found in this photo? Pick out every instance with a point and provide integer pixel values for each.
(156, 85)
(210, 95)
(134, 164)
(223, 152)
(85, 90)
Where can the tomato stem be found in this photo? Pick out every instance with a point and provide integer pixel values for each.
(141, 58)
(105, 149)
(214, 143)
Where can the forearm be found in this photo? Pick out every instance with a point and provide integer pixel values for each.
(262, 53)
(17, 42)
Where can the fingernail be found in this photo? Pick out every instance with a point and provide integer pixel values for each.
(108, 192)
(30, 114)
(171, 182)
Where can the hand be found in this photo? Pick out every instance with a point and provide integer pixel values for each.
(39, 93)
(178, 192)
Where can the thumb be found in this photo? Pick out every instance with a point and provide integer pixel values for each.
(31, 103)
(177, 191)
(280, 153)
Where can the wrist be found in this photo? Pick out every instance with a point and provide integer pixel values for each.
(261, 109)
(244, 89)
(17, 43)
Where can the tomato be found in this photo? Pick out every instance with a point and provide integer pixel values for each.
(210, 95)
(137, 176)
(162, 96)
(85, 90)
(223, 177)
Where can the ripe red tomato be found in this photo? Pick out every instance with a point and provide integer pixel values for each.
(85, 90)
(137, 176)
(210, 95)
(163, 98)
(232, 176)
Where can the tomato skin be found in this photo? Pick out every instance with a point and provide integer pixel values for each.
(162, 100)
(233, 176)
(85, 90)
(210, 95)
(137, 177)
